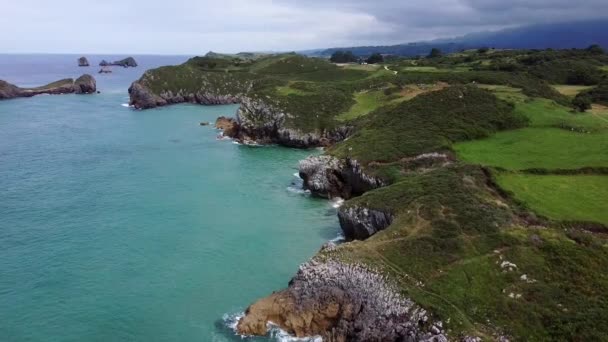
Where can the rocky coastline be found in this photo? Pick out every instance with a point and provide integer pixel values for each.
(256, 121)
(328, 298)
(84, 84)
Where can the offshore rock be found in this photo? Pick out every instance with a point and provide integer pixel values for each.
(329, 177)
(83, 62)
(359, 223)
(126, 63)
(85, 84)
(340, 302)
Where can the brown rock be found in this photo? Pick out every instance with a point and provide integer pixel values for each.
(229, 126)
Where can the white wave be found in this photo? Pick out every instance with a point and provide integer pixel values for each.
(298, 190)
(274, 332)
(283, 336)
(297, 175)
(125, 105)
(337, 202)
(338, 239)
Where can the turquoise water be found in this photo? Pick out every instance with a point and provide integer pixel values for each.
(123, 225)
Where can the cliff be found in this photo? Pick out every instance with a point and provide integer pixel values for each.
(85, 84)
(266, 113)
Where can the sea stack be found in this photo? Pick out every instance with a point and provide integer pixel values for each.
(83, 62)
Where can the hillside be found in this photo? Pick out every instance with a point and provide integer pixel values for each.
(541, 36)
(474, 186)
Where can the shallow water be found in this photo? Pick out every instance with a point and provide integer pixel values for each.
(124, 225)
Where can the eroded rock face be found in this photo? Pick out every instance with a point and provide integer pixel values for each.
(329, 177)
(359, 223)
(340, 302)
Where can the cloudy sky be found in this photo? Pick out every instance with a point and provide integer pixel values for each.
(195, 26)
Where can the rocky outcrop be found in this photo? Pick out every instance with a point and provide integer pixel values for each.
(83, 62)
(229, 126)
(125, 63)
(341, 302)
(85, 84)
(329, 177)
(359, 223)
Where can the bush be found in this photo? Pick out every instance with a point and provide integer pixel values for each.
(375, 58)
(582, 103)
(435, 53)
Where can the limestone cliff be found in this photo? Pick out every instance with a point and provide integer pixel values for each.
(257, 120)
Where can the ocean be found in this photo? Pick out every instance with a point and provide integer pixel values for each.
(126, 225)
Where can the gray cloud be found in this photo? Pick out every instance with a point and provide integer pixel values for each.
(196, 26)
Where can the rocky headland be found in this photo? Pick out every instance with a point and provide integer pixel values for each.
(84, 84)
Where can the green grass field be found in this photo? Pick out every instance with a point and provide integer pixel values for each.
(366, 102)
(509, 94)
(571, 197)
(546, 113)
(555, 139)
(548, 148)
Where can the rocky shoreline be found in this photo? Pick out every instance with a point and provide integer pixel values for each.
(84, 84)
(256, 121)
(341, 302)
(328, 298)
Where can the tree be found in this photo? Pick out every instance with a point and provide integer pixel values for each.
(483, 49)
(435, 52)
(375, 58)
(582, 103)
(595, 49)
(343, 57)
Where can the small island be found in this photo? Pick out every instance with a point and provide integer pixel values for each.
(83, 62)
(128, 62)
(84, 84)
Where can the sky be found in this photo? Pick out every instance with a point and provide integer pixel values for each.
(198, 26)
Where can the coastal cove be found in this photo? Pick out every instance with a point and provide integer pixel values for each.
(119, 224)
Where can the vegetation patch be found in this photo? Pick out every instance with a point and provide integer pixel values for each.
(571, 90)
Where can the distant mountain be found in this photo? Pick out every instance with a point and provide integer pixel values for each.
(579, 34)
